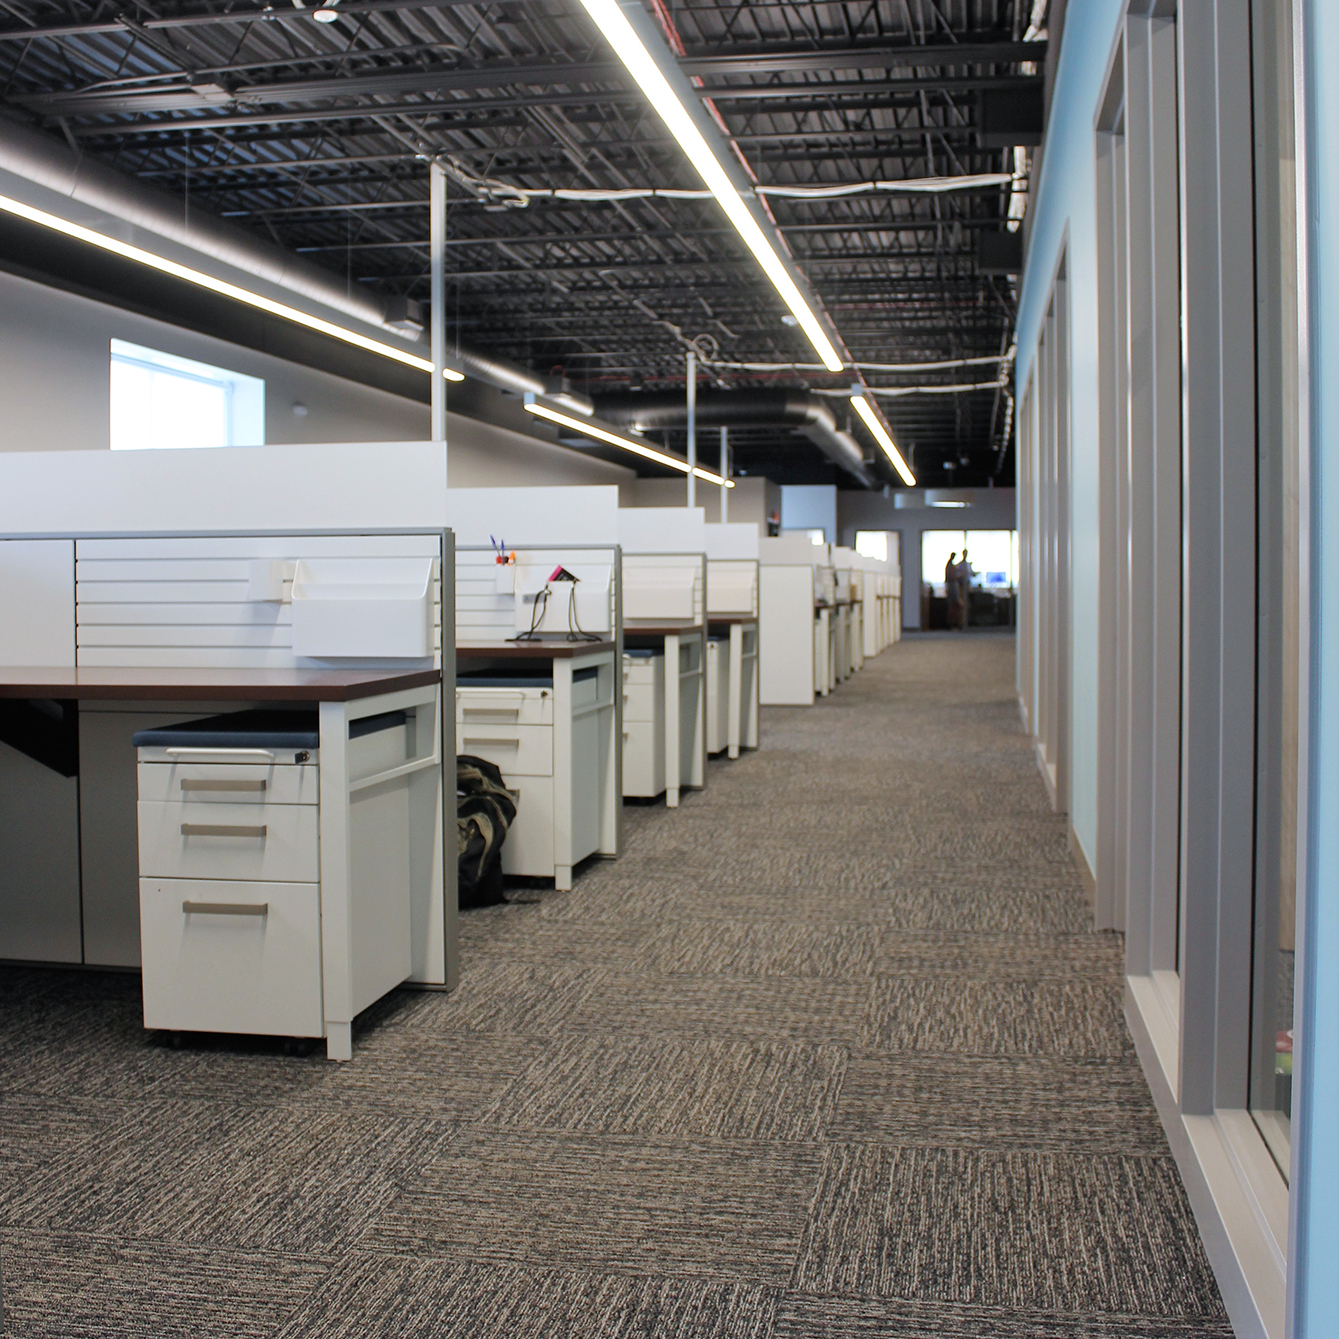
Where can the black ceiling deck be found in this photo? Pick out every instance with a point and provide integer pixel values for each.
(315, 135)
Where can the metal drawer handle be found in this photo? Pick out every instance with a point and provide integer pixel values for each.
(226, 908)
(222, 830)
(189, 783)
(503, 743)
(187, 752)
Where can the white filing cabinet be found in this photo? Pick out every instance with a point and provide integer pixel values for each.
(643, 723)
(230, 871)
(718, 694)
(508, 720)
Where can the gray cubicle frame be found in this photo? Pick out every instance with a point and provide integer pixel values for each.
(447, 718)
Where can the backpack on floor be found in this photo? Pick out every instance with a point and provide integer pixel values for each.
(485, 809)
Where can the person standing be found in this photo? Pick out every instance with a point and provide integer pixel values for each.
(964, 575)
(951, 588)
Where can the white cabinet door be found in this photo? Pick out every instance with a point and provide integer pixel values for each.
(37, 601)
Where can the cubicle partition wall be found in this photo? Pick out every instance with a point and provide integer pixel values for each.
(664, 619)
(219, 603)
(732, 612)
(539, 596)
(796, 596)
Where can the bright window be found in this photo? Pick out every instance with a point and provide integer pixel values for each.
(872, 544)
(992, 554)
(160, 400)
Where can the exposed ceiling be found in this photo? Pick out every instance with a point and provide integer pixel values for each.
(316, 135)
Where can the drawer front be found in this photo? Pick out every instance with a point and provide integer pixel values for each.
(642, 702)
(528, 850)
(224, 783)
(643, 669)
(643, 759)
(276, 843)
(517, 750)
(213, 962)
(504, 706)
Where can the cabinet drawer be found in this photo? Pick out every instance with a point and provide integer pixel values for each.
(226, 783)
(643, 759)
(277, 842)
(643, 702)
(518, 750)
(504, 706)
(232, 957)
(643, 669)
(528, 850)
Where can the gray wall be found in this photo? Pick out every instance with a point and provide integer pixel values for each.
(751, 499)
(991, 509)
(54, 375)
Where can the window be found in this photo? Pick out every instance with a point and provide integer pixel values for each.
(160, 400)
(993, 555)
(872, 544)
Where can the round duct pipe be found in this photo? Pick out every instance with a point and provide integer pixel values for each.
(716, 408)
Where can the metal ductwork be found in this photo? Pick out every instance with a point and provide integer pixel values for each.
(52, 164)
(805, 413)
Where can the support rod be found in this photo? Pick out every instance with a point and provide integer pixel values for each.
(437, 297)
(725, 473)
(691, 380)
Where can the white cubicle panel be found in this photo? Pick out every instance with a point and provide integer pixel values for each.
(496, 601)
(37, 601)
(662, 530)
(732, 539)
(337, 486)
(577, 515)
(201, 602)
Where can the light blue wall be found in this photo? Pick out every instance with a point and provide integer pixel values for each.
(1315, 1200)
(1065, 209)
(810, 507)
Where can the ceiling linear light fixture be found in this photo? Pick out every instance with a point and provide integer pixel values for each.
(599, 434)
(866, 411)
(629, 48)
(219, 286)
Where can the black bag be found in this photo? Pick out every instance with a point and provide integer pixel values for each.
(485, 809)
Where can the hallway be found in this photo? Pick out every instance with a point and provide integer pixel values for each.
(833, 1055)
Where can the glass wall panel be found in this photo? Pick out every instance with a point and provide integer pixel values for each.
(1271, 1072)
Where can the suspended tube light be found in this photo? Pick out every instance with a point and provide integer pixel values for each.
(220, 286)
(596, 433)
(872, 421)
(629, 48)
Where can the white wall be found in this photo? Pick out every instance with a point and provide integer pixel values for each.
(751, 499)
(991, 509)
(54, 375)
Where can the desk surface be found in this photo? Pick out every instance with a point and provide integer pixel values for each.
(529, 650)
(209, 685)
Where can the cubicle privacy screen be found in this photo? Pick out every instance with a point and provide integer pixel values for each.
(552, 592)
(240, 601)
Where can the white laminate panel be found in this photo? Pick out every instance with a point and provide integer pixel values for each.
(213, 972)
(528, 850)
(37, 601)
(718, 695)
(229, 783)
(518, 750)
(586, 787)
(643, 758)
(286, 851)
(379, 888)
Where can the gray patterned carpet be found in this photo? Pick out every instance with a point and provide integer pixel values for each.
(830, 1052)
